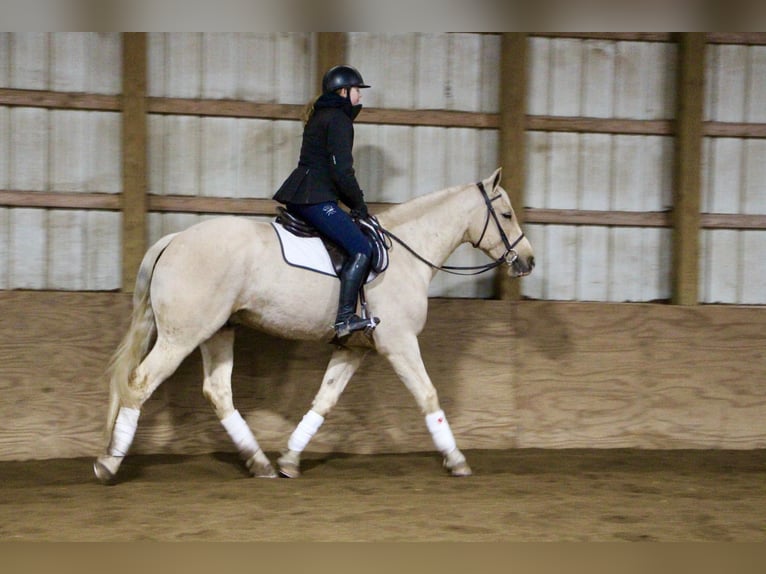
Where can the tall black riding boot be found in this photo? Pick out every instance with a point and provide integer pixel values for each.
(352, 276)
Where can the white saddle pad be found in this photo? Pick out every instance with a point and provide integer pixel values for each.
(307, 252)
(304, 252)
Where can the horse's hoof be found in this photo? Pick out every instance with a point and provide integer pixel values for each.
(289, 464)
(456, 464)
(261, 469)
(106, 467)
(461, 470)
(289, 470)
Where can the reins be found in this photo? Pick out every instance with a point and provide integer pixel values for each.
(475, 269)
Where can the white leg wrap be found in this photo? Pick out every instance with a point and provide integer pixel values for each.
(440, 431)
(305, 430)
(124, 431)
(241, 435)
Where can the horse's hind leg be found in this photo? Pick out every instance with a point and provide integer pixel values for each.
(404, 355)
(342, 366)
(158, 365)
(218, 361)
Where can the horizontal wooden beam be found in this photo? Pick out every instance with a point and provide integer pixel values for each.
(733, 221)
(222, 205)
(640, 219)
(734, 129)
(59, 100)
(380, 116)
(616, 36)
(597, 218)
(60, 200)
(599, 125)
(224, 108)
(268, 207)
(748, 38)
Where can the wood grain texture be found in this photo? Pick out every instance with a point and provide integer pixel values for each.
(509, 374)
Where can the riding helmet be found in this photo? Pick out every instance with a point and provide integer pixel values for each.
(342, 77)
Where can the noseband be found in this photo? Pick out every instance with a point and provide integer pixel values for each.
(508, 257)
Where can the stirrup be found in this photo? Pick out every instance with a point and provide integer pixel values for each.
(355, 323)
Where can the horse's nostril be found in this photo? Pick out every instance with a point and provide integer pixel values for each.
(531, 262)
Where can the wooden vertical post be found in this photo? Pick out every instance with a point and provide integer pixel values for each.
(687, 169)
(513, 112)
(331, 51)
(134, 155)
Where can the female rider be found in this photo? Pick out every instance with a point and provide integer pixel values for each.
(324, 176)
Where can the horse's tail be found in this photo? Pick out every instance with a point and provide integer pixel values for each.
(140, 336)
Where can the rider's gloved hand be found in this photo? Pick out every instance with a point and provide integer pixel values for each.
(360, 212)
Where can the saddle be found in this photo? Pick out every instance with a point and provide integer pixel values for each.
(369, 226)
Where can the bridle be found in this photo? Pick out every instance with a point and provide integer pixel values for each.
(509, 257)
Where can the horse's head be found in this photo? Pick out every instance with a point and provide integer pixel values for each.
(497, 231)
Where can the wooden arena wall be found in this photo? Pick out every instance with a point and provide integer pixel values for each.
(510, 374)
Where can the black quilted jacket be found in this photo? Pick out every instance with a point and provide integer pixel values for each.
(325, 170)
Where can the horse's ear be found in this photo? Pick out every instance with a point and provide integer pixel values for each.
(495, 177)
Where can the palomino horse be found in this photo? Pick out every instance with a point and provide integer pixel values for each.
(194, 285)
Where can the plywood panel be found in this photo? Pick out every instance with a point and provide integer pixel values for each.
(638, 375)
(534, 375)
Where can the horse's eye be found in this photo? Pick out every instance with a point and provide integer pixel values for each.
(507, 215)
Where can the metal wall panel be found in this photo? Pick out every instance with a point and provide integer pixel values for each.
(396, 163)
(60, 150)
(732, 261)
(224, 157)
(603, 79)
(79, 151)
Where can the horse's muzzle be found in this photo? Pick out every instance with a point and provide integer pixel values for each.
(519, 266)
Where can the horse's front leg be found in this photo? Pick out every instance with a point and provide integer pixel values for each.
(342, 366)
(404, 355)
(218, 361)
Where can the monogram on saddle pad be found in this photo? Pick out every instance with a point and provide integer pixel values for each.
(303, 246)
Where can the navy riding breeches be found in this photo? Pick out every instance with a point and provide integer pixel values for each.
(334, 224)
